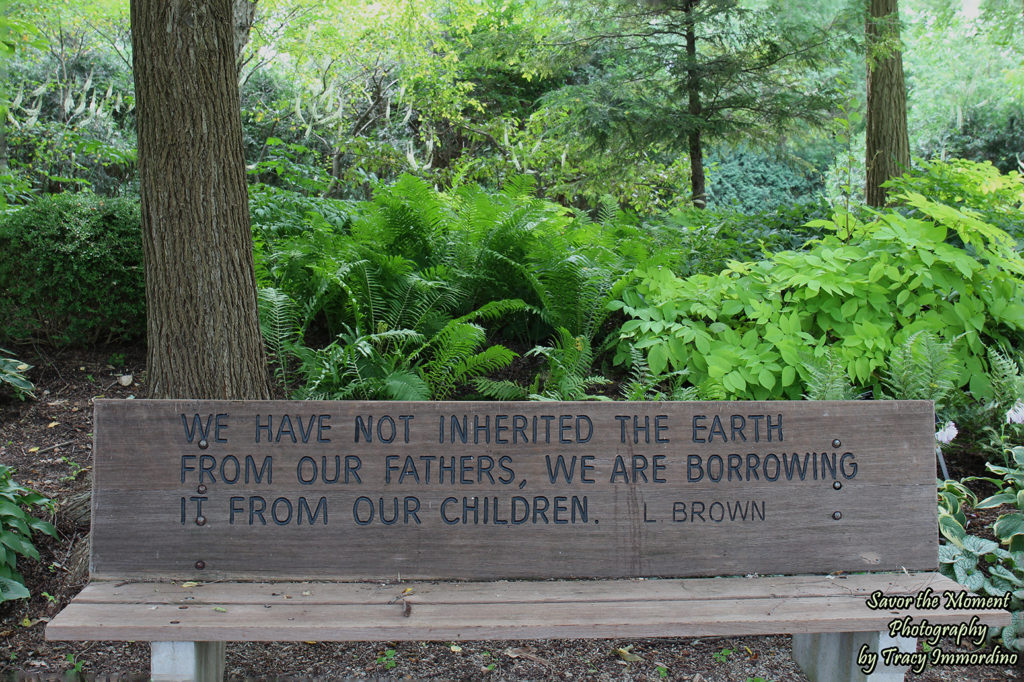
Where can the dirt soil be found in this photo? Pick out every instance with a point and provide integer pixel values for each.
(48, 441)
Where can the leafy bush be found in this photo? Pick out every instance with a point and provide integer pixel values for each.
(16, 528)
(703, 241)
(405, 295)
(860, 291)
(981, 565)
(12, 373)
(753, 181)
(73, 271)
(997, 198)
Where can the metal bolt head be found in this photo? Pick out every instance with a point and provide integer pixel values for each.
(203, 444)
(200, 565)
(837, 485)
(201, 489)
(835, 443)
(200, 520)
(837, 515)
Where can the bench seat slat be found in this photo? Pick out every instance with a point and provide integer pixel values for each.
(515, 591)
(505, 610)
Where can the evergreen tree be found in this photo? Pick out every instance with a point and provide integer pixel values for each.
(674, 74)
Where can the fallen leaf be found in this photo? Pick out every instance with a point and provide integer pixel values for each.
(408, 590)
(190, 583)
(307, 593)
(52, 424)
(456, 648)
(308, 641)
(751, 654)
(26, 622)
(220, 609)
(524, 652)
(625, 654)
(125, 379)
(34, 449)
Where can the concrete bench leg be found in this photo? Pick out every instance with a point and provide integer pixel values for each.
(187, 661)
(838, 656)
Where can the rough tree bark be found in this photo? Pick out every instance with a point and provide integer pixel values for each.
(888, 146)
(697, 182)
(203, 331)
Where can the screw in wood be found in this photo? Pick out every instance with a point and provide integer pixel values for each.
(200, 520)
(200, 565)
(835, 443)
(203, 444)
(837, 485)
(201, 489)
(837, 515)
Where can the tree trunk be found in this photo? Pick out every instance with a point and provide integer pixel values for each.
(202, 331)
(244, 14)
(697, 186)
(888, 146)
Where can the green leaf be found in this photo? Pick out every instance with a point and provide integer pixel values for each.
(12, 589)
(1009, 526)
(996, 500)
(657, 358)
(20, 545)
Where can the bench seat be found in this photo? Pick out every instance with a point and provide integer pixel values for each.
(290, 611)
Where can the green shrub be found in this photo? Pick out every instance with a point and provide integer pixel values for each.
(16, 528)
(12, 373)
(703, 241)
(860, 292)
(996, 198)
(72, 271)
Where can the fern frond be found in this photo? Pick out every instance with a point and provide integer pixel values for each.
(826, 378)
(1007, 383)
(499, 390)
(279, 325)
(406, 385)
(921, 368)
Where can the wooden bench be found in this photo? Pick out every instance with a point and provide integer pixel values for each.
(344, 521)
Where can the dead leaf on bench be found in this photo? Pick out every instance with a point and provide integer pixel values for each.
(625, 654)
(220, 609)
(190, 583)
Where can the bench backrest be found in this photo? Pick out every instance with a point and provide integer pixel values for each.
(480, 490)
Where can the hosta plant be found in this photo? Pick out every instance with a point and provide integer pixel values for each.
(17, 525)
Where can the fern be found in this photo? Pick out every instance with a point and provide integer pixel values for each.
(279, 325)
(455, 358)
(826, 379)
(642, 384)
(922, 368)
(503, 389)
(1007, 383)
(568, 372)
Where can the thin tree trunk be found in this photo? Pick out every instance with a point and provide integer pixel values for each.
(244, 14)
(888, 146)
(697, 186)
(202, 330)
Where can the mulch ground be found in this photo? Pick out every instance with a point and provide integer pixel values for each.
(48, 440)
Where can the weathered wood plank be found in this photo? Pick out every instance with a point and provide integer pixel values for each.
(509, 592)
(770, 492)
(498, 620)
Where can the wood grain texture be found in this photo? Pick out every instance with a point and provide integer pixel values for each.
(495, 610)
(683, 518)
